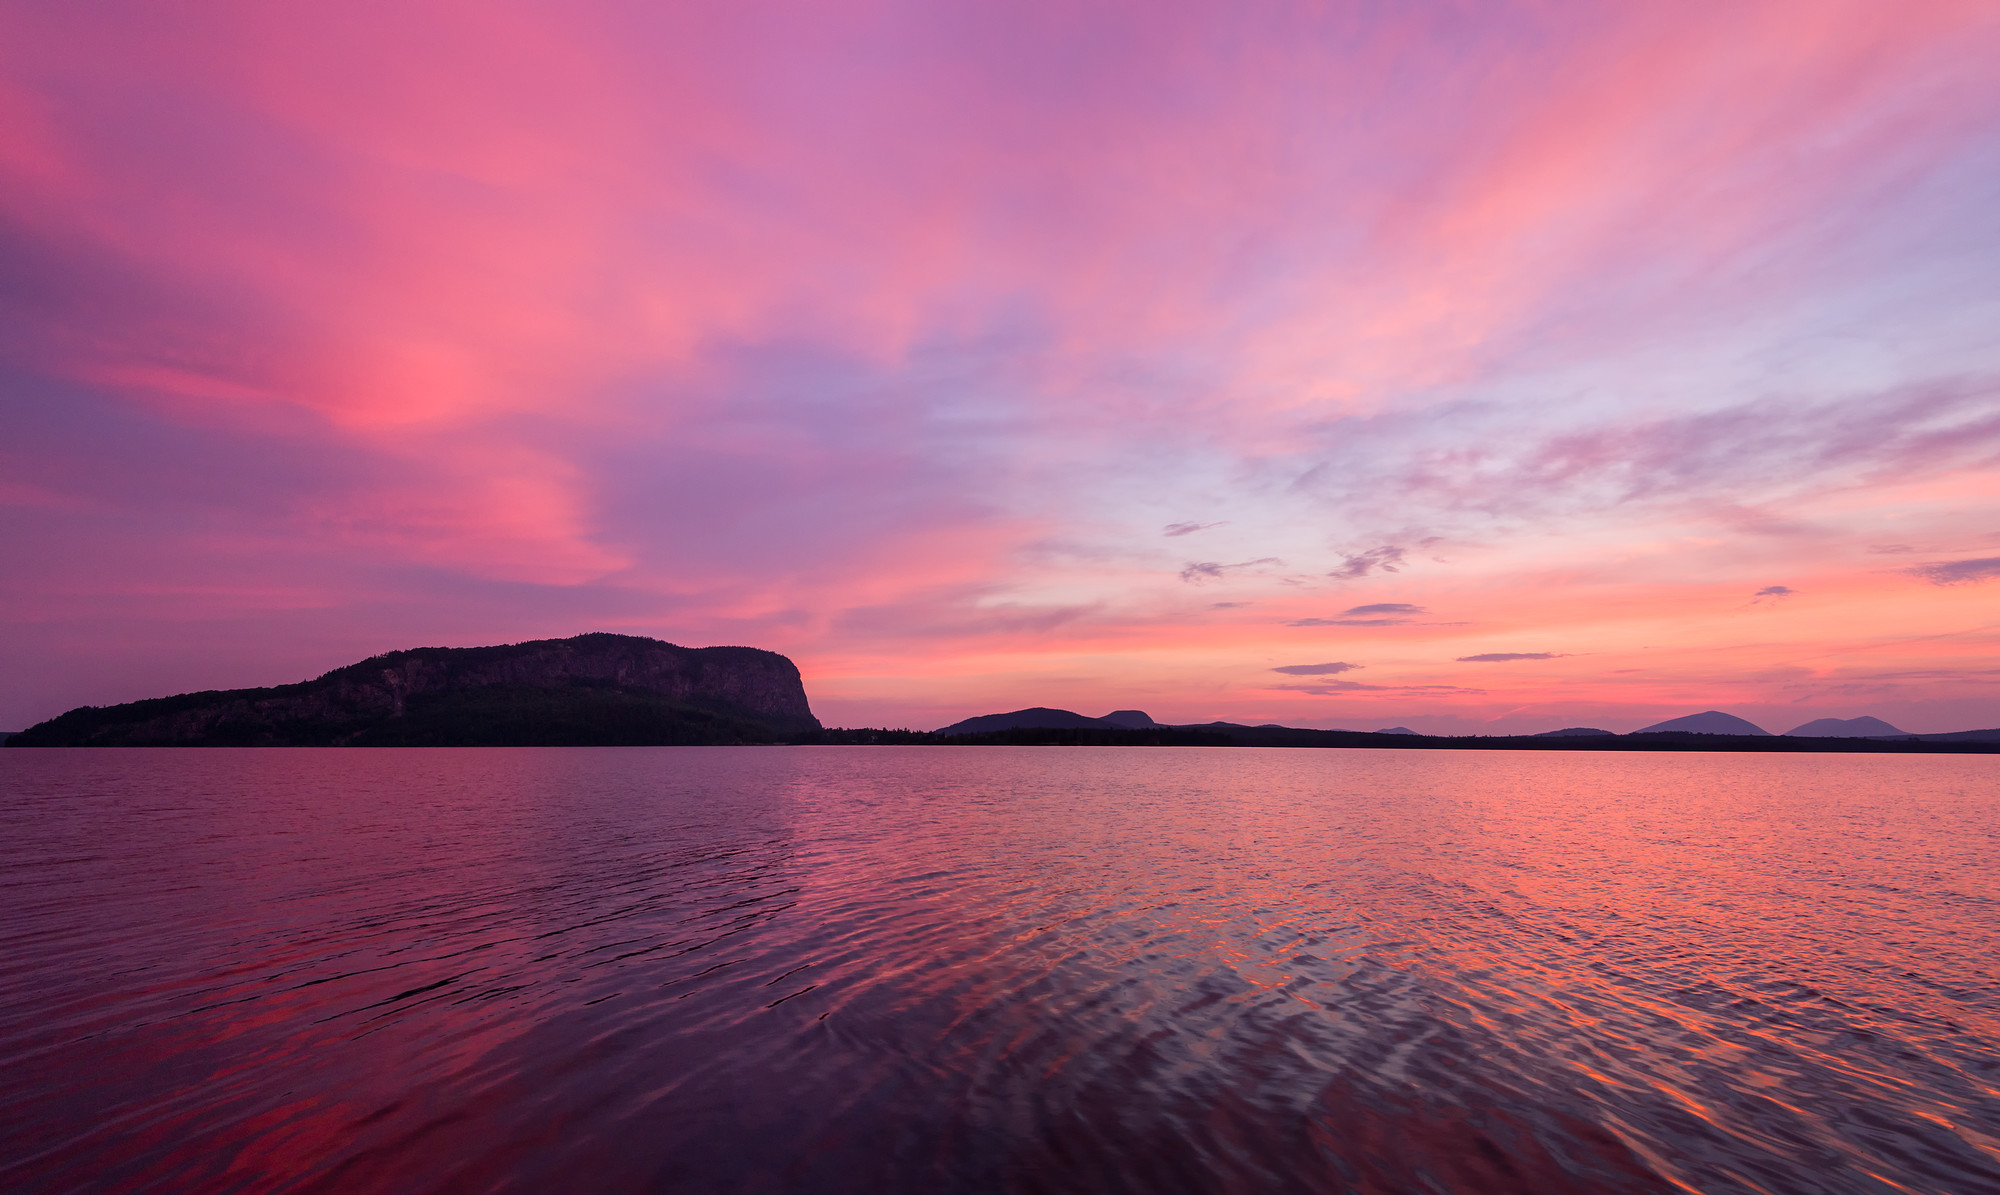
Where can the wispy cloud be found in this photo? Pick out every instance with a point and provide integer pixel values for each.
(1388, 558)
(1501, 657)
(1178, 529)
(1209, 570)
(1488, 460)
(1348, 622)
(1775, 591)
(1316, 669)
(1383, 608)
(1958, 572)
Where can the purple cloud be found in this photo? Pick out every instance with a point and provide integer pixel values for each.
(1958, 572)
(1387, 558)
(1775, 591)
(1176, 529)
(1476, 456)
(1209, 570)
(1383, 608)
(1316, 669)
(1501, 657)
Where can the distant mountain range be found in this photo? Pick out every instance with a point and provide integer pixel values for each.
(1705, 730)
(609, 690)
(590, 690)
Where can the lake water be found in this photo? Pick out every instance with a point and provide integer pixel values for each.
(884, 969)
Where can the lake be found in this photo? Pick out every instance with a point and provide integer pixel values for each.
(1010, 969)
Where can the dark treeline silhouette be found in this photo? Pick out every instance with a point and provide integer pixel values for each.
(1225, 735)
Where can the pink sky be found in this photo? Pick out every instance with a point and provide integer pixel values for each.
(983, 356)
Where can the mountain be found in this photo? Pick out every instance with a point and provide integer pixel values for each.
(1863, 727)
(1711, 722)
(1961, 736)
(1129, 719)
(1038, 717)
(1043, 718)
(1395, 730)
(591, 690)
(1570, 732)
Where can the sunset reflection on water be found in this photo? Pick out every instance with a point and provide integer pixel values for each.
(1009, 969)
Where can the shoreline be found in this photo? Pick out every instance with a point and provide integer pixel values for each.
(1258, 736)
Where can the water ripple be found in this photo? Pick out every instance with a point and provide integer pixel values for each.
(1004, 969)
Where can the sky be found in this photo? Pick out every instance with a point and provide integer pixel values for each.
(1479, 367)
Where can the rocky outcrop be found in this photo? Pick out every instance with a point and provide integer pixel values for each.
(594, 689)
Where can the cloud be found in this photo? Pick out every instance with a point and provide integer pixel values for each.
(1775, 591)
(1889, 549)
(1175, 529)
(1383, 608)
(1226, 605)
(1388, 558)
(1501, 657)
(1487, 460)
(1348, 622)
(1316, 669)
(1958, 572)
(1209, 570)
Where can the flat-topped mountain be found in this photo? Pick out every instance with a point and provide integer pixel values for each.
(1130, 719)
(590, 690)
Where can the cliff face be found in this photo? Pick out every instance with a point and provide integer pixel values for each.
(592, 689)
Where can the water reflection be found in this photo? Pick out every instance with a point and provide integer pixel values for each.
(1010, 969)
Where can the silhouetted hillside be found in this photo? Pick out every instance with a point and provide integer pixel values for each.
(591, 690)
(1845, 728)
(1710, 722)
(1043, 718)
(1229, 734)
(1042, 726)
